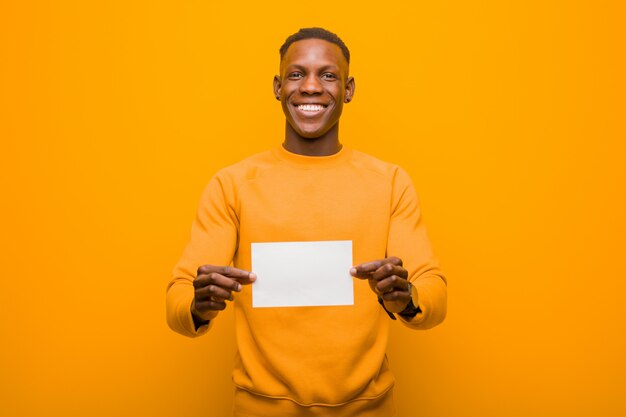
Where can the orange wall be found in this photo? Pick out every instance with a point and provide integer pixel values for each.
(509, 117)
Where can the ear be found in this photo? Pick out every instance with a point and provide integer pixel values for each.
(277, 86)
(350, 87)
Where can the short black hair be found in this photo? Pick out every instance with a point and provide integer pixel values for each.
(315, 33)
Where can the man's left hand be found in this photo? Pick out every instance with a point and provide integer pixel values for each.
(387, 278)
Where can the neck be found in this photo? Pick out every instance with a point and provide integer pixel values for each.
(327, 144)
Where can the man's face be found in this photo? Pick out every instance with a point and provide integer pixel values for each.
(312, 86)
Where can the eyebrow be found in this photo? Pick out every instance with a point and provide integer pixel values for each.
(324, 68)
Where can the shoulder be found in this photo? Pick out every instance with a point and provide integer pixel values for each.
(228, 181)
(376, 166)
(248, 168)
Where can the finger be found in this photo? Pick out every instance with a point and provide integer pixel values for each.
(213, 292)
(392, 283)
(365, 270)
(397, 296)
(209, 305)
(388, 270)
(214, 278)
(242, 276)
(248, 279)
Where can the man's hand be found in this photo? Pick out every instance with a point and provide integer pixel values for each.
(388, 279)
(213, 286)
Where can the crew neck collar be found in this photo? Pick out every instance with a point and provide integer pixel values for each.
(306, 161)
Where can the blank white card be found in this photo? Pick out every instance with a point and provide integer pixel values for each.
(293, 274)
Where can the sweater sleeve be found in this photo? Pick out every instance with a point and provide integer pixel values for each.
(409, 241)
(213, 241)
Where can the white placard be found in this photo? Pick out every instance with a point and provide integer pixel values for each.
(292, 274)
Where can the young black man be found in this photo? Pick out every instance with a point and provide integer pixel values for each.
(315, 360)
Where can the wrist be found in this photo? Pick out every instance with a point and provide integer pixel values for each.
(202, 318)
(411, 309)
(407, 312)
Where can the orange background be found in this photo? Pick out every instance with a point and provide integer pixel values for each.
(508, 115)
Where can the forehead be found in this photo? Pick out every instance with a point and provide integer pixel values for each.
(314, 52)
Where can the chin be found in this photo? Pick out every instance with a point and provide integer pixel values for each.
(313, 132)
(311, 135)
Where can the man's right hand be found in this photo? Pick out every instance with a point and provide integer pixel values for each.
(214, 285)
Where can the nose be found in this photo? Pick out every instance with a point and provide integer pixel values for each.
(311, 85)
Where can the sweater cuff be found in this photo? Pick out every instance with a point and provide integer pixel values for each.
(430, 296)
(179, 315)
(202, 329)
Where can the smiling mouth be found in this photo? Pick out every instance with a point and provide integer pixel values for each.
(310, 108)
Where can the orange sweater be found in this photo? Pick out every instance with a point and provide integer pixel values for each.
(315, 359)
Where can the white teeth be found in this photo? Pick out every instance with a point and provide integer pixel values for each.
(310, 107)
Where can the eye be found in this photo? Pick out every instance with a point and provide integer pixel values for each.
(295, 75)
(329, 76)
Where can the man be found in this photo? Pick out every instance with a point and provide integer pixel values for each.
(319, 360)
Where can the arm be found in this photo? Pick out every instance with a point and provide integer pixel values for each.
(409, 241)
(412, 261)
(213, 241)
